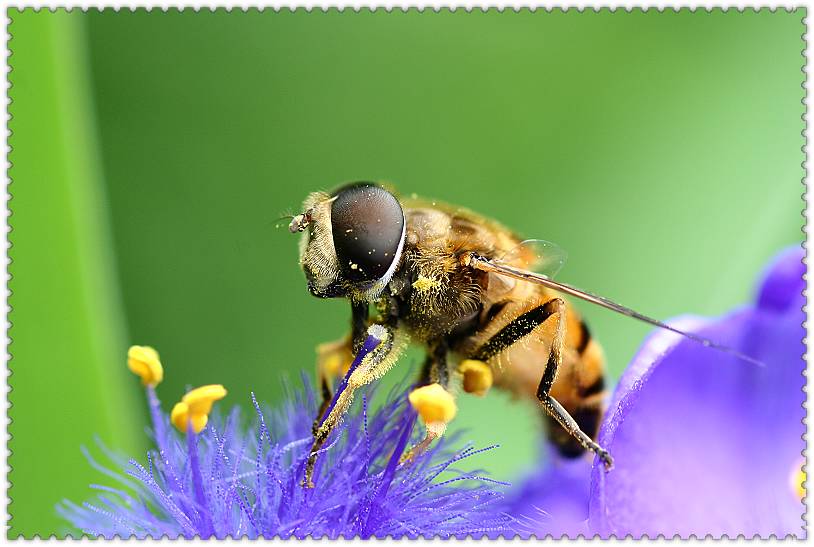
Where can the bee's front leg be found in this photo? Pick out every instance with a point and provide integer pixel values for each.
(372, 360)
(334, 358)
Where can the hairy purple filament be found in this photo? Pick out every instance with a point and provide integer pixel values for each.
(233, 481)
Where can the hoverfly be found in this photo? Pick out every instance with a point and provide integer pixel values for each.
(465, 288)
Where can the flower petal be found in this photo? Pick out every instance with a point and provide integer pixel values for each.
(783, 282)
(705, 443)
(554, 500)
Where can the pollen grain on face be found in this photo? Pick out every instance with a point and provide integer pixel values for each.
(144, 362)
(424, 283)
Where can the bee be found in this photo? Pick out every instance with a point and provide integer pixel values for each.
(464, 287)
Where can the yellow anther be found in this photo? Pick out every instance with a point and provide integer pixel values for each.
(195, 407)
(144, 362)
(433, 403)
(477, 376)
(200, 399)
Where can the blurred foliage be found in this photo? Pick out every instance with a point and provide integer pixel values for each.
(69, 381)
(662, 150)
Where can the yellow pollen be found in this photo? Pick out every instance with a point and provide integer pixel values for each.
(477, 376)
(433, 403)
(195, 407)
(424, 283)
(143, 361)
(798, 482)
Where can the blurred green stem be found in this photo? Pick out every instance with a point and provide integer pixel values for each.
(68, 339)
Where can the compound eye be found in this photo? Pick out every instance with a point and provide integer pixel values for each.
(368, 231)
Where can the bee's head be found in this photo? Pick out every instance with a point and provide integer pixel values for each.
(352, 240)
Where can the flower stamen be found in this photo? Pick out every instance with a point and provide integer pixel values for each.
(195, 407)
(144, 362)
(433, 403)
(437, 408)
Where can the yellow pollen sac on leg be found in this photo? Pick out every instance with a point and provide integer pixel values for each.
(433, 403)
(143, 361)
(477, 376)
(195, 407)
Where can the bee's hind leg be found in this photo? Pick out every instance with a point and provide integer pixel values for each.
(523, 326)
(556, 307)
(556, 411)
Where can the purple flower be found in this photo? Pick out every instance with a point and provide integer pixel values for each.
(232, 480)
(553, 500)
(704, 443)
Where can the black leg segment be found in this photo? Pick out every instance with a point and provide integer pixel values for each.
(523, 326)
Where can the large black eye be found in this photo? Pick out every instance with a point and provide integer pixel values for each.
(368, 226)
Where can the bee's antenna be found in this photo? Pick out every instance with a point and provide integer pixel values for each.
(283, 220)
(481, 263)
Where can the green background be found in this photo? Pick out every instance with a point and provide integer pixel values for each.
(152, 153)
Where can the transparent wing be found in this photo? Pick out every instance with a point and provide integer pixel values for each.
(486, 265)
(536, 255)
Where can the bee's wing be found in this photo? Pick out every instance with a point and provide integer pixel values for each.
(538, 255)
(498, 267)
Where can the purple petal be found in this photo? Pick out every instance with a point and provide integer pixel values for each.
(706, 443)
(783, 282)
(554, 500)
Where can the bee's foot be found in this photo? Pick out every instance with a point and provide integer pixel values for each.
(307, 483)
(607, 459)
